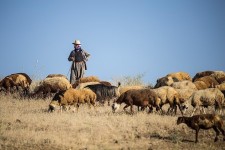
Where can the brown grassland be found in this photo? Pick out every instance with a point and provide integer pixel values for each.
(26, 124)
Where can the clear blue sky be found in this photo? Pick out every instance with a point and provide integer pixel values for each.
(124, 37)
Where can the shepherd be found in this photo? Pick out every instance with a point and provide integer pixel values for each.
(79, 57)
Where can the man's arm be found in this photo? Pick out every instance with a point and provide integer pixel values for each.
(71, 56)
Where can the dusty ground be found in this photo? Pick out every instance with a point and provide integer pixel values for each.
(26, 124)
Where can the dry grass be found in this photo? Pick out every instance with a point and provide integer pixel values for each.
(26, 124)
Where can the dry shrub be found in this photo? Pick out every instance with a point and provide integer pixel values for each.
(26, 124)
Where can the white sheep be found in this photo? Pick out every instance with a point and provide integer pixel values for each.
(169, 95)
(186, 84)
(207, 97)
(52, 85)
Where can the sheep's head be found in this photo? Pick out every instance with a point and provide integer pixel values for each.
(115, 107)
(180, 120)
(52, 106)
(184, 107)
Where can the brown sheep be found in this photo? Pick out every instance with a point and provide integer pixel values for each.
(141, 97)
(205, 122)
(18, 80)
(202, 74)
(209, 81)
(171, 78)
(200, 85)
(180, 76)
(72, 97)
(51, 85)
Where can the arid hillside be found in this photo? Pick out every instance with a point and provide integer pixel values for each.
(26, 124)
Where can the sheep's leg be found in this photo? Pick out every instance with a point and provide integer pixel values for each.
(61, 107)
(131, 109)
(180, 110)
(169, 110)
(217, 133)
(150, 109)
(124, 108)
(203, 110)
(193, 111)
(196, 135)
(220, 127)
(108, 102)
(77, 107)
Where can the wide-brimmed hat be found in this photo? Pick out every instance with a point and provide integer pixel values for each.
(77, 42)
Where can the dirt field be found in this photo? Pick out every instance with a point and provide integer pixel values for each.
(26, 124)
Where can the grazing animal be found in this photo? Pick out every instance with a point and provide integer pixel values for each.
(90, 79)
(186, 84)
(72, 97)
(219, 76)
(126, 88)
(17, 80)
(221, 87)
(171, 78)
(105, 92)
(209, 81)
(139, 97)
(207, 97)
(51, 85)
(202, 74)
(200, 85)
(185, 95)
(56, 75)
(205, 122)
(168, 95)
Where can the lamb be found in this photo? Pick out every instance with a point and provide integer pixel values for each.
(206, 121)
(138, 97)
(169, 95)
(207, 97)
(51, 85)
(72, 97)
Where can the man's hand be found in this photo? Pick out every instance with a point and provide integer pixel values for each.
(71, 59)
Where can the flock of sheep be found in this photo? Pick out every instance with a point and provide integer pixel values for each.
(178, 89)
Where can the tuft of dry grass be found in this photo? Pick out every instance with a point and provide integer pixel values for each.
(26, 124)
